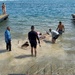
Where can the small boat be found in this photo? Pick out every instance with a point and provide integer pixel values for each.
(73, 16)
(3, 17)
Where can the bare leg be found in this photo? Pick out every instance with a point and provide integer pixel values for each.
(5, 10)
(53, 40)
(35, 52)
(31, 51)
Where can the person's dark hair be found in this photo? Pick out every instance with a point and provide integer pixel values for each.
(60, 22)
(32, 27)
(50, 30)
(40, 34)
(2, 3)
(8, 28)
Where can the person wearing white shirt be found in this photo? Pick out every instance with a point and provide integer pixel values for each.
(54, 34)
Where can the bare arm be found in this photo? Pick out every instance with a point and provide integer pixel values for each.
(38, 39)
(63, 28)
(28, 37)
(57, 28)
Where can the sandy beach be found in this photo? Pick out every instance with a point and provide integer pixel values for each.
(51, 59)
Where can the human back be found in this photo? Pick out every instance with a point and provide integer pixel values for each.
(54, 33)
(32, 36)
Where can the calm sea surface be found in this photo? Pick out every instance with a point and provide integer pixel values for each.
(43, 14)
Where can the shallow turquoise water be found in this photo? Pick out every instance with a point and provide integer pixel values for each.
(43, 14)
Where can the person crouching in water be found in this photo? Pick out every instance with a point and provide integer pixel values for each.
(54, 34)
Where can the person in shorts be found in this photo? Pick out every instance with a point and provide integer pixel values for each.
(54, 34)
(60, 28)
(33, 37)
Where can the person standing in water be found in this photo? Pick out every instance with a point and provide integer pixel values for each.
(54, 34)
(33, 37)
(60, 28)
(8, 39)
(4, 8)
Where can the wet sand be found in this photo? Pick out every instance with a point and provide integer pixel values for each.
(51, 59)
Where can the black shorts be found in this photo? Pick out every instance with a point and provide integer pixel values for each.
(60, 32)
(33, 44)
(56, 37)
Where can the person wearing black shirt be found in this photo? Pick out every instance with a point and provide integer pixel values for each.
(33, 37)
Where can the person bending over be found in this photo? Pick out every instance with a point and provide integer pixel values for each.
(54, 34)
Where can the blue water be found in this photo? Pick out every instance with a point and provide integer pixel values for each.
(43, 14)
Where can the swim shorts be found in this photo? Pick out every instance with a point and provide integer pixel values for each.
(33, 44)
(60, 32)
(55, 37)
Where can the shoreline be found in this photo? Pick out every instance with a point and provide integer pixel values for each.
(20, 61)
